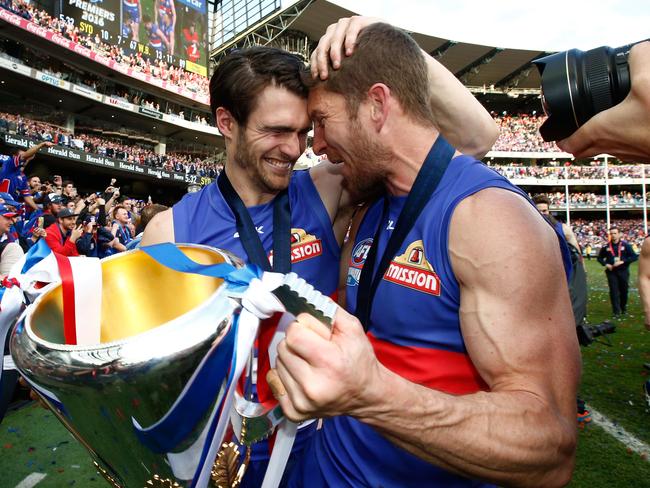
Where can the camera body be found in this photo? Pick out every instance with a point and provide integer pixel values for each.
(588, 333)
(576, 85)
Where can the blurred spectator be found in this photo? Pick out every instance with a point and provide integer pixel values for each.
(114, 147)
(159, 69)
(63, 234)
(10, 251)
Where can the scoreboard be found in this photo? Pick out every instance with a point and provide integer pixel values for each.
(174, 31)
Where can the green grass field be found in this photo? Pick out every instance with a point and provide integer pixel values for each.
(32, 440)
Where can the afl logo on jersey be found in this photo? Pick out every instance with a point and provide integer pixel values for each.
(412, 270)
(357, 259)
(303, 246)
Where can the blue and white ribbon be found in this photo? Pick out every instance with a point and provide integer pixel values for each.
(253, 287)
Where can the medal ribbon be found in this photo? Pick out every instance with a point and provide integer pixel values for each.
(425, 184)
(252, 244)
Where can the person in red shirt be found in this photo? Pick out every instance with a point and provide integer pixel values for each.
(63, 234)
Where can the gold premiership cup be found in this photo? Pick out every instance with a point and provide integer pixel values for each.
(157, 328)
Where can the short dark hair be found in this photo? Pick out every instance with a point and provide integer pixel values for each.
(537, 199)
(243, 74)
(149, 212)
(383, 54)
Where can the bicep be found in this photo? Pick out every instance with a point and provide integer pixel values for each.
(515, 311)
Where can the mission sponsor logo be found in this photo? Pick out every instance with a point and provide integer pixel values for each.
(303, 246)
(357, 260)
(412, 270)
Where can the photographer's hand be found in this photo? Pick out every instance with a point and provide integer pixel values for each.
(623, 129)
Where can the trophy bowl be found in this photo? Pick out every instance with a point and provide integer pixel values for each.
(160, 330)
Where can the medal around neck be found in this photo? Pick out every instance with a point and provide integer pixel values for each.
(152, 399)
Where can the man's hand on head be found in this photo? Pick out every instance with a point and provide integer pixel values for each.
(342, 34)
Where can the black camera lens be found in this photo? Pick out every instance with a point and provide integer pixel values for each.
(576, 85)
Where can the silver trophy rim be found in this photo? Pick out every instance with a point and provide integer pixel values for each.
(178, 322)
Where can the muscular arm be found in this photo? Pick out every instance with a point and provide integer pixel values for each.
(516, 320)
(644, 280)
(518, 327)
(160, 229)
(461, 119)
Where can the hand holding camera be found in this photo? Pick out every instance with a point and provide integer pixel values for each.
(598, 101)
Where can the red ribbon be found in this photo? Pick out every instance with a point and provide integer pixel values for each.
(67, 287)
(9, 282)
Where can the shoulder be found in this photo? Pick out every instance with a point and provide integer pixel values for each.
(496, 223)
(328, 181)
(160, 229)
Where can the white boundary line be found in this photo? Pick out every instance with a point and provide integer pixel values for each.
(620, 434)
(31, 480)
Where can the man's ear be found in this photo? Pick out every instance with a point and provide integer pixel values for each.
(225, 122)
(378, 99)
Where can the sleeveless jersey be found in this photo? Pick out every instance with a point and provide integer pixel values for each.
(206, 218)
(12, 179)
(415, 332)
(155, 37)
(165, 7)
(131, 7)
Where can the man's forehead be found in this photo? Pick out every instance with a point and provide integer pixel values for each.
(278, 106)
(322, 102)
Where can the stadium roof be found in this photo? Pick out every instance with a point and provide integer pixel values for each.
(496, 69)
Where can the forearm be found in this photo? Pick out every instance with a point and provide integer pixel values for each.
(492, 436)
(32, 151)
(29, 200)
(461, 119)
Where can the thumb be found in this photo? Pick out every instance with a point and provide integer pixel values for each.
(315, 325)
(275, 383)
(346, 323)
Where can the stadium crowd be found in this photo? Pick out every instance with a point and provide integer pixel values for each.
(587, 199)
(96, 224)
(519, 133)
(114, 147)
(158, 69)
(593, 233)
(100, 85)
(571, 172)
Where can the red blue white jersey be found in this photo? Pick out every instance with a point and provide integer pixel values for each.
(12, 178)
(155, 37)
(165, 7)
(205, 218)
(415, 332)
(131, 7)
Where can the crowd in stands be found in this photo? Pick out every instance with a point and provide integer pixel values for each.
(572, 172)
(593, 233)
(159, 69)
(105, 86)
(519, 133)
(96, 224)
(585, 199)
(114, 147)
